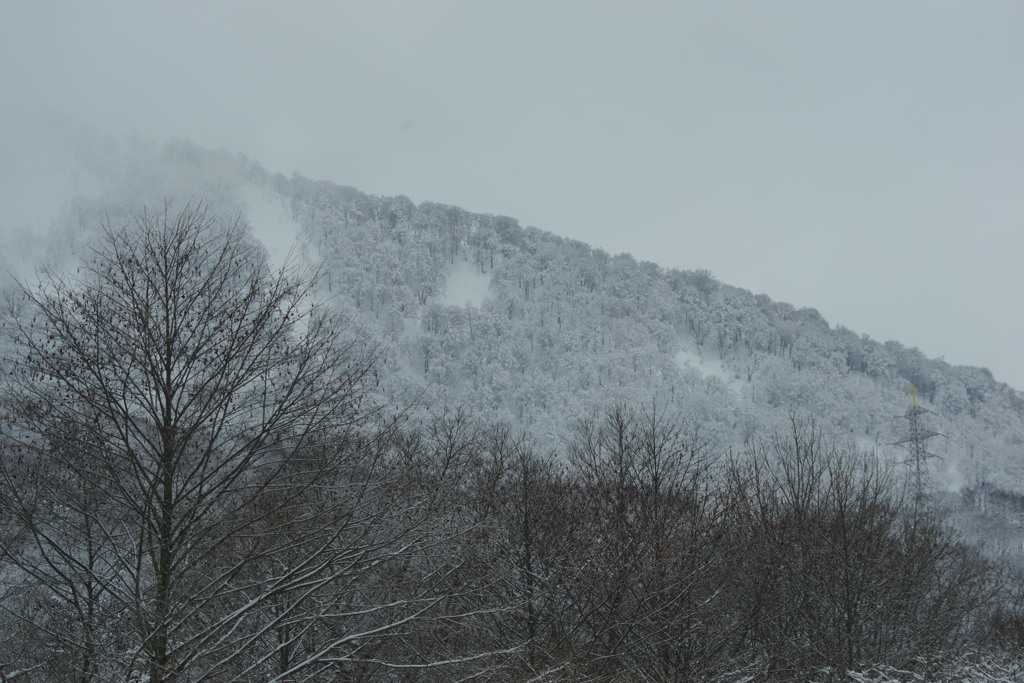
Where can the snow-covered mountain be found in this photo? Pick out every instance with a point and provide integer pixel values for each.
(525, 327)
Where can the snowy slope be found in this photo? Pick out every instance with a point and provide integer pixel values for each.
(688, 357)
(466, 285)
(272, 224)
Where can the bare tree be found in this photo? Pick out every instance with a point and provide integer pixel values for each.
(162, 409)
(843, 569)
(648, 575)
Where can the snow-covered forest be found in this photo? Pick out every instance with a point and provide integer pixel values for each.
(268, 428)
(529, 328)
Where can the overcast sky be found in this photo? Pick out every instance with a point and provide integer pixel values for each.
(862, 158)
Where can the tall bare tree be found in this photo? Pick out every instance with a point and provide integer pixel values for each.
(649, 575)
(164, 411)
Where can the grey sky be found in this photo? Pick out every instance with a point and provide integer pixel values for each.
(863, 158)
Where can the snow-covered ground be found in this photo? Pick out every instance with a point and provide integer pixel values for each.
(272, 224)
(466, 285)
(688, 357)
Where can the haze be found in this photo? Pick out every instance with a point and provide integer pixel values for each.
(865, 159)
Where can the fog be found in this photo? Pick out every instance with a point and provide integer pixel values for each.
(865, 159)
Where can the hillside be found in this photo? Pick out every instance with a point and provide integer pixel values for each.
(564, 329)
(525, 327)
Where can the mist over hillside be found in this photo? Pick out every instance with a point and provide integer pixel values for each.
(523, 326)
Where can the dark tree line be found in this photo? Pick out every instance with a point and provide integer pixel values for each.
(195, 484)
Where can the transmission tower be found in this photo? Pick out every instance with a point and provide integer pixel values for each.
(916, 441)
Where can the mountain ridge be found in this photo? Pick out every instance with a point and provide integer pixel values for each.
(565, 329)
(789, 359)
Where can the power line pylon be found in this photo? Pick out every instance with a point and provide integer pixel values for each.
(916, 442)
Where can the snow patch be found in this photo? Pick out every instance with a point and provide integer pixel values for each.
(689, 358)
(466, 285)
(272, 223)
